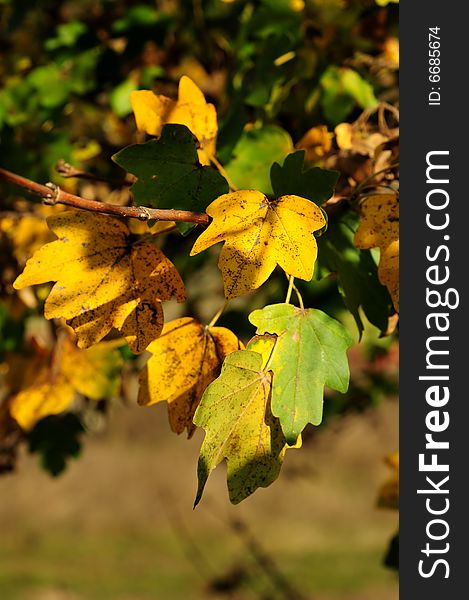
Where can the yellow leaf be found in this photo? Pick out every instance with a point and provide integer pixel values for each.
(49, 389)
(104, 279)
(391, 50)
(388, 271)
(93, 372)
(186, 359)
(259, 234)
(343, 135)
(29, 232)
(45, 397)
(379, 225)
(357, 140)
(379, 228)
(316, 142)
(142, 227)
(152, 111)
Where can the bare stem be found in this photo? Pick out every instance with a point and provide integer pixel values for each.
(52, 194)
(291, 283)
(271, 357)
(222, 171)
(297, 292)
(218, 314)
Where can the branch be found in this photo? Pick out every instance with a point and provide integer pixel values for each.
(52, 194)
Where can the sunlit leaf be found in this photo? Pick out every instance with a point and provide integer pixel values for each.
(235, 413)
(104, 279)
(259, 234)
(310, 352)
(186, 358)
(152, 111)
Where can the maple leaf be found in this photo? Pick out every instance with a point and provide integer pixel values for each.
(379, 227)
(104, 279)
(309, 353)
(235, 413)
(259, 234)
(50, 389)
(315, 184)
(152, 111)
(170, 174)
(187, 357)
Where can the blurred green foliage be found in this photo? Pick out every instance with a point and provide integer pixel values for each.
(68, 67)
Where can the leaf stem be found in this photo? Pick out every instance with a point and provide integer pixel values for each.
(291, 283)
(221, 169)
(271, 357)
(297, 292)
(299, 296)
(218, 314)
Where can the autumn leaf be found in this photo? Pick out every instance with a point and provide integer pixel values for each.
(388, 271)
(29, 232)
(259, 234)
(358, 140)
(316, 142)
(169, 173)
(104, 279)
(187, 357)
(310, 352)
(379, 227)
(153, 111)
(50, 389)
(379, 224)
(235, 413)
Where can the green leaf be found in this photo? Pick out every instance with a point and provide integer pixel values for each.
(357, 274)
(343, 89)
(254, 154)
(315, 184)
(120, 97)
(310, 352)
(52, 87)
(235, 413)
(67, 35)
(170, 174)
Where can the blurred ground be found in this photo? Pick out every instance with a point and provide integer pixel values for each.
(119, 523)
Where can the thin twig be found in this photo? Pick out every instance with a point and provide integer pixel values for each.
(52, 194)
(69, 171)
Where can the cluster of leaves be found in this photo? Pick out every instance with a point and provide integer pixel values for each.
(269, 202)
